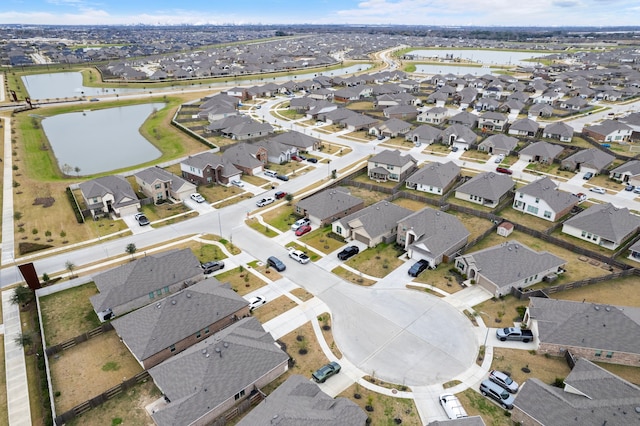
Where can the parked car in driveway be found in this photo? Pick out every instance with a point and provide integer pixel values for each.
(503, 380)
(418, 267)
(142, 219)
(256, 301)
(504, 170)
(209, 267)
(265, 201)
(497, 393)
(237, 183)
(629, 187)
(282, 177)
(499, 159)
(348, 252)
(326, 371)
(598, 190)
(303, 230)
(581, 196)
(587, 176)
(300, 222)
(197, 198)
(637, 190)
(452, 406)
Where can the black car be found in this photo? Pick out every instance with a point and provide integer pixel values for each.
(348, 252)
(418, 267)
(276, 263)
(312, 160)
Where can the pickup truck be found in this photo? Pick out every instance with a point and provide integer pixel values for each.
(514, 333)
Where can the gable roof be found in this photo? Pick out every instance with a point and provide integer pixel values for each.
(299, 401)
(243, 155)
(392, 158)
(437, 232)
(587, 325)
(155, 327)
(607, 221)
(153, 174)
(464, 118)
(204, 159)
(590, 157)
(461, 132)
(199, 379)
(132, 280)
(488, 185)
(395, 125)
(547, 190)
(297, 139)
(631, 167)
(542, 149)
(558, 128)
(525, 124)
(328, 202)
(609, 126)
(122, 192)
(435, 174)
(377, 219)
(500, 141)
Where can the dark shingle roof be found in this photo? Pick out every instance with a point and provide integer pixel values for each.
(118, 186)
(328, 202)
(439, 175)
(392, 158)
(437, 232)
(607, 221)
(488, 185)
(547, 190)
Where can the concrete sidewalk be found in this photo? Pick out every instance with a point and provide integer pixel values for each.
(15, 364)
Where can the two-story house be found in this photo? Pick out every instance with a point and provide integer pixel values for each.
(160, 185)
(543, 199)
(390, 165)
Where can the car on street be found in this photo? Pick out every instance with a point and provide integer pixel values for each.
(637, 190)
(299, 256)
(265, 201)
(142, 219)
(504, 380)
(348, 252)
(326, 371)
(303, 230)
(282, 177)
(258, 106)
(280, 194)
(499, 159)
(94, 100)
(312, 160)
(581, 196)
(497, 393)
(504, 170)
(300, 222)
(629, 187)
(418, 267)
(276, 264)
(256, 301)
(452, 406)
(215, 265)
(302, 157)
(197, 198)
(237, 183)
(587, 176)
(598, 190)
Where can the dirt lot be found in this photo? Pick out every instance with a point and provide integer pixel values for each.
(89, 369)
(68, 313)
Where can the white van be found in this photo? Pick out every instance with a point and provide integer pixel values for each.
(270, 173)
(452, 406)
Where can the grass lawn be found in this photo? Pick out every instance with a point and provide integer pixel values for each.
(312, 254)
(477, 405)
(273, 308)
(90, 368)
(464, 203)
(369, 197)
(361, 105)
(627, 372)
(319, 240)
(254, 180)
(289, 168)
(282, 217)
(399, 142)
(441, 278)
(620, 292)
(378, 261)
(263, 229)
(302, 294)
(436, 148)
(226, 243)
(474, 224)
(603, 181)
(351, 277)
(364, 178)
(325, 326)
(410, 204)
(68, 313)
(500, 312)
(262, 268)
(214, 193)
(163, 211)
(386, 409)
(525, 219)
(553, 169)
(241, 281)
(126, 408)
(475, 155)
(334, 149)
(544, 368)
(207, 252)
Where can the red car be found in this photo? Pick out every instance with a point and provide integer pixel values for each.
(280, 194)
(303, 230)
(296, 158)
(504, 170)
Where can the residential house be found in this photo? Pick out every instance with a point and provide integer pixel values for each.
(632, 120)
(336, 116)
(439, 98)
(498, 144)
(401, 112)
(390, 165)
(513, 107)
(524, 127)
(603, 224)
(297, 140)
(277, 153)
(487, 104)
(218, 106)
(299, 401)
(540, 110)
(459, 135)
(435, 115)
(248, 158)
(391, 128)
(207, 168)
(606, 333)
(492, 121)
(587, 160)
(434, 178)
(628, 172)
(109, 195)
(609, 131)
(486, 189)
(423, 134)
(185, 318)
(247, 130)
(543, 199)
(372, 225)
(143, 281)
(328, 206)
(464, 118)
(575, 103)
(431, 235)
(208, 379)
(352, 93)
(509, 265)
(540, 152)
(358, 122)
(160, 185)
(591, 396)
(559, 130)
(635, 251)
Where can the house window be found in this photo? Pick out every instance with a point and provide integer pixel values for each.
(598, 353)
(609, 354)
(95, 200)
(532, 209)
(159, 292)
(339, 229)
(584, 234)
(158, 186)
(152, 295)
(239, 395)
(537, 200)
(521, 195)
(166, 290)
(460, 266)
(172, 348)
(547, 214)
(206, 330)
(198, 334)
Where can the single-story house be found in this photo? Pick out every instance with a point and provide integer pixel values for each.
(423, 134)
(609, 131)
(540, 110)
(634, 251)
(144, 280)
(372, 225)
(587, 160)
(160, 185)
(390, 165)
(628, 172)
(603, 224)
(434, 178)
(328, 206)
(206, 168)
(109, 195)
(211, 377)
(277, 153)
(464, 118)
(431, 235)
(559, 130)
(540, 152)
(458, 135)
(487, 189)
(401, 112)
(542, 198)
(185, 318)
(298, 140)
(524, 127)
(498, 144)
(509, 265)
(391, 128)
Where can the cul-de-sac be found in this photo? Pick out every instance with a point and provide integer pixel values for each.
(319, 225)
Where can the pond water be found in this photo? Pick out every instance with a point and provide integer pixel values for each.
(101, 140)
(69, 84)
(486, 57)
(454, 69)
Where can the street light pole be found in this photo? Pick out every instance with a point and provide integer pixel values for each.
(328, 168)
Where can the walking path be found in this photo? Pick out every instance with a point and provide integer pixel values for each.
(7, 197)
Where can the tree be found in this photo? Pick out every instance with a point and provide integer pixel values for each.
(77, 170)
(66, 169)
(131, 249)
(289, 198)
(22, 296)
(46, 278)
(25, 340)
(70, 267)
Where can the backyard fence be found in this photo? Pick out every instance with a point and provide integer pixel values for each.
(67, 344)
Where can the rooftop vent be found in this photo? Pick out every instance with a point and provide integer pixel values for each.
(189, 295)
(597, 308)
(158, 305)
(173, 302)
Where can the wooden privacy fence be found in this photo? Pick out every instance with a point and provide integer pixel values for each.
(52, 350)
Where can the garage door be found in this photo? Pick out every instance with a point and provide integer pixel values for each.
(361, 238)
(128, 210)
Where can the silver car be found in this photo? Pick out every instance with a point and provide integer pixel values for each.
(503, 380)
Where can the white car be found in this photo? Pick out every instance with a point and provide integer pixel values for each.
(598, 190)
(237, 183)
(256, 301)
(499, 158)
(452, 406)
(265, 201)
(197, 198)
(299, 256)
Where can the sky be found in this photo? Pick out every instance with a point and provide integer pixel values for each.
(520, 13)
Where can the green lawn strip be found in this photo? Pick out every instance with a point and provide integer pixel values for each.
(351, 277)
(263, 229)
(378, 261)
(320, 240)
(281, 218)
(208, 252)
